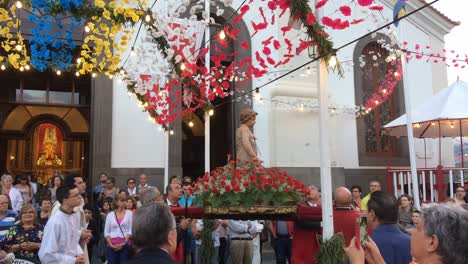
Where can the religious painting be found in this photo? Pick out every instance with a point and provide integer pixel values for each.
(49, 145)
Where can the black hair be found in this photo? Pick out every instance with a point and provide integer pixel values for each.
(70, 178)
(63, 192)
(356, 187)
(385, 207)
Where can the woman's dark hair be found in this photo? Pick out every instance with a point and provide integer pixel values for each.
(60, 178)
(356, 187)
(131, 179)
(112, 179)
(410, 199)
(22, 177)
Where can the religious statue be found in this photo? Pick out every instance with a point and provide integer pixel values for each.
(246, 146)
(48, 154)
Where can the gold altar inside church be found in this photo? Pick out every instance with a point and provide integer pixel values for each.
(44, 124)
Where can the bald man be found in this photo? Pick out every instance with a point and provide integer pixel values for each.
(344, 216)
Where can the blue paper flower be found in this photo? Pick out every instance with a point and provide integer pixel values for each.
(49, 49)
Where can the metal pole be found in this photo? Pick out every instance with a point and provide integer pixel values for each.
(461, 145)
(166, 169)
(409, 127)
(207, 65)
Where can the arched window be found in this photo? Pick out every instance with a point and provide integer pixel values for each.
(370, 68)
(373, 73)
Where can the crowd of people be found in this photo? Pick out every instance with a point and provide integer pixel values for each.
(59, 224)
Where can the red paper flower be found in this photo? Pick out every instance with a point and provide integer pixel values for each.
(365, 2)
(376, 8)
(345, 10)
(310, 19)
(320, 4)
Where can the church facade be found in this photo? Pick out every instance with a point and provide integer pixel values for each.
(57, 124)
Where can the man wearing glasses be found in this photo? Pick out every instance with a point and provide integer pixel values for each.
(61, 241)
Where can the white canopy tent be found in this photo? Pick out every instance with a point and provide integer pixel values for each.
(443, 115)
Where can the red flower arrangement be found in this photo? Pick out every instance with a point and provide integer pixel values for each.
(248, 184)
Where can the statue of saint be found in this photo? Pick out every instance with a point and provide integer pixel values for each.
(246, 147)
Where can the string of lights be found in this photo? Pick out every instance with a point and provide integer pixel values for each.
(331, 53)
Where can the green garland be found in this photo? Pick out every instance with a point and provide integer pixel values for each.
(207, 245)
(332, 250)
(300, 9)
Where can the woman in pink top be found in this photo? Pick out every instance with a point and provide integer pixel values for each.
(117, 231)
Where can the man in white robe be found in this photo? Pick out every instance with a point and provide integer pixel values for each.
(77, 180)
(61, 241)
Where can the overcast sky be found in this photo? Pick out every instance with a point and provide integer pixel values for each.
(458, 38)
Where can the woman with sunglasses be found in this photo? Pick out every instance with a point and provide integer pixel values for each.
(24, 239)
(131, 187)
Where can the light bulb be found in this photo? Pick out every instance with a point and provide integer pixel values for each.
(332, 62)
(27, 67)
(2, 67)
(182, 67)
(376, 102)
(396, 74)
(451, 125)
(21, 68)
(211, 112)
(122, 72)
(301, 108)
(160, 93)
(19, 4)
(148, 18)
(308, 71)
(78, 60)
(77, 74)
(19, 47)
(222, 35)
(132, 52)
(171, 132)
(258, 96)
(384, 91)
(59, 72)
(190, 124)
(94, 75)
(432, 123)
(145, 104)
(87, 29)
(417, 125)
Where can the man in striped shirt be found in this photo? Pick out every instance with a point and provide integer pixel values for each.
(7, 220)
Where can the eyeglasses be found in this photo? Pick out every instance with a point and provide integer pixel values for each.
(74, 196)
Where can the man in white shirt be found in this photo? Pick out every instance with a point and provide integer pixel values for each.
(241, 240)
(143, 180)
(61, 241)
(197, 227)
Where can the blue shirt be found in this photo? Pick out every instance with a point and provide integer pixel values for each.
(394, 245)
(98, 188)
(7, 221)
(183, 200)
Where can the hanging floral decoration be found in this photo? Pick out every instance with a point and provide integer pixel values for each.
(108, 30)
(52, 45)
(162, 100)
(13, 45)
